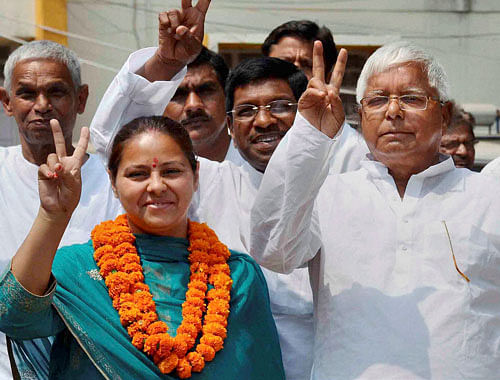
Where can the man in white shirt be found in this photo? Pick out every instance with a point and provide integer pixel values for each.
(404, 252)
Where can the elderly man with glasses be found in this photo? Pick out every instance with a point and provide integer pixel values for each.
(404, 253)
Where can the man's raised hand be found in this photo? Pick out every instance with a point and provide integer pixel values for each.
(59, 180)
(181, 32)
(320, 104)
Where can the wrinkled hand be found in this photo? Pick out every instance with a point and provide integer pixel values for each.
(181, 32)
(59, 180)
(320, 104)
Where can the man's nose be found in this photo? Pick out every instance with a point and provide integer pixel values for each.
(264, 118)
(193, 102)
(394, 109)
(42, 103)
(461, 149)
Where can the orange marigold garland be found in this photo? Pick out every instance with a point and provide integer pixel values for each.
(119, 264)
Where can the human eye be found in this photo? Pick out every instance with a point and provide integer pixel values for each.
(136, 174)
(206, 90)
(25, 93)
(376, 101)
(169, 172)
(281, 106)
(245, 110)
(180, 96)
(416, 101)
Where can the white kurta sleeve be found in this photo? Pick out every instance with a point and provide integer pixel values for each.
(285, 229)
(130, 96)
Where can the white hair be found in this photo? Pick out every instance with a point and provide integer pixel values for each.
(397, 53)
(43, 50)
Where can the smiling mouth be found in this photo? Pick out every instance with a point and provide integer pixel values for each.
(268, 138)
(40, 122)
(158, 204)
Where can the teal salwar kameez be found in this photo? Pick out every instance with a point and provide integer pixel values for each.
(90, 341)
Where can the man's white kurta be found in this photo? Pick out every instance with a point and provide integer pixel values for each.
(389, 302)
(224, 199)
(492, 168)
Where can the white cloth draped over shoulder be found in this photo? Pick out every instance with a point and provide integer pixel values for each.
(389, 302)
(224, 200)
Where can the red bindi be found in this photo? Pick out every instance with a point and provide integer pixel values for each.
(155, 162)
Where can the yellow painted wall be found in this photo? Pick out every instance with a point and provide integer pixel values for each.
(51, 13)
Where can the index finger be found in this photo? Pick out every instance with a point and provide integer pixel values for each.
(318, 69)
(185, 4)
(81, 147)
(59, 141)
(202, 5)
(339, 70)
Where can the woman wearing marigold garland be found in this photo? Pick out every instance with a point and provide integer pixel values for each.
(139, 300)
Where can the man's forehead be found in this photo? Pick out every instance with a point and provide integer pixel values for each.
(274, 87)
(48, 69)
(407, 76)
(198, 75)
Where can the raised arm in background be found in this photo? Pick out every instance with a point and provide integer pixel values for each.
(285, 232)
(150, 77)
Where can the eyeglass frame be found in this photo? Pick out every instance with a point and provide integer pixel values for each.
(258, 108)
(398, 97)
(469, 145)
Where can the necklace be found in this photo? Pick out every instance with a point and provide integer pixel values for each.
(119, 265)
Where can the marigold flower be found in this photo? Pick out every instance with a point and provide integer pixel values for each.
(180, 346)
(192, 320)
(206, 351)
(215, 329)
(168, 364)
(101, 251)
(184, 369)
(130, 267)
(221, 280)
(140, 287)
(196, 360)
(213, 341)
(126, 249)
(166, 345)
(198, 285)
(139, 326)
(218, 294)
(187, 328)
(216, 318)
(152, 344)
(108, 266)
(158, 327)
(138, 340)
(191, 310)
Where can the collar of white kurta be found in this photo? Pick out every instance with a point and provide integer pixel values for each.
(376, 169)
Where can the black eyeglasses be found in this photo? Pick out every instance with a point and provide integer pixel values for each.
(380, 103)
(277, 108)
(453, 145)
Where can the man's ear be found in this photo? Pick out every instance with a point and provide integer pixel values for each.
(83, 94)
(5, 99)
(112, 181)
(230, 127)
(446, 110)
(197, 176)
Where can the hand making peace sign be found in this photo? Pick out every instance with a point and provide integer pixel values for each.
(59, 180)
(181, 32)
(320, 104)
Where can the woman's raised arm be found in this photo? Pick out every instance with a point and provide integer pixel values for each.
(59, 186)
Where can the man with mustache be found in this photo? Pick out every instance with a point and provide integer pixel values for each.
(459, 139)
(198, 104)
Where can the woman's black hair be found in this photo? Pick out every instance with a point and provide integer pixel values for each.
(149, 124)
